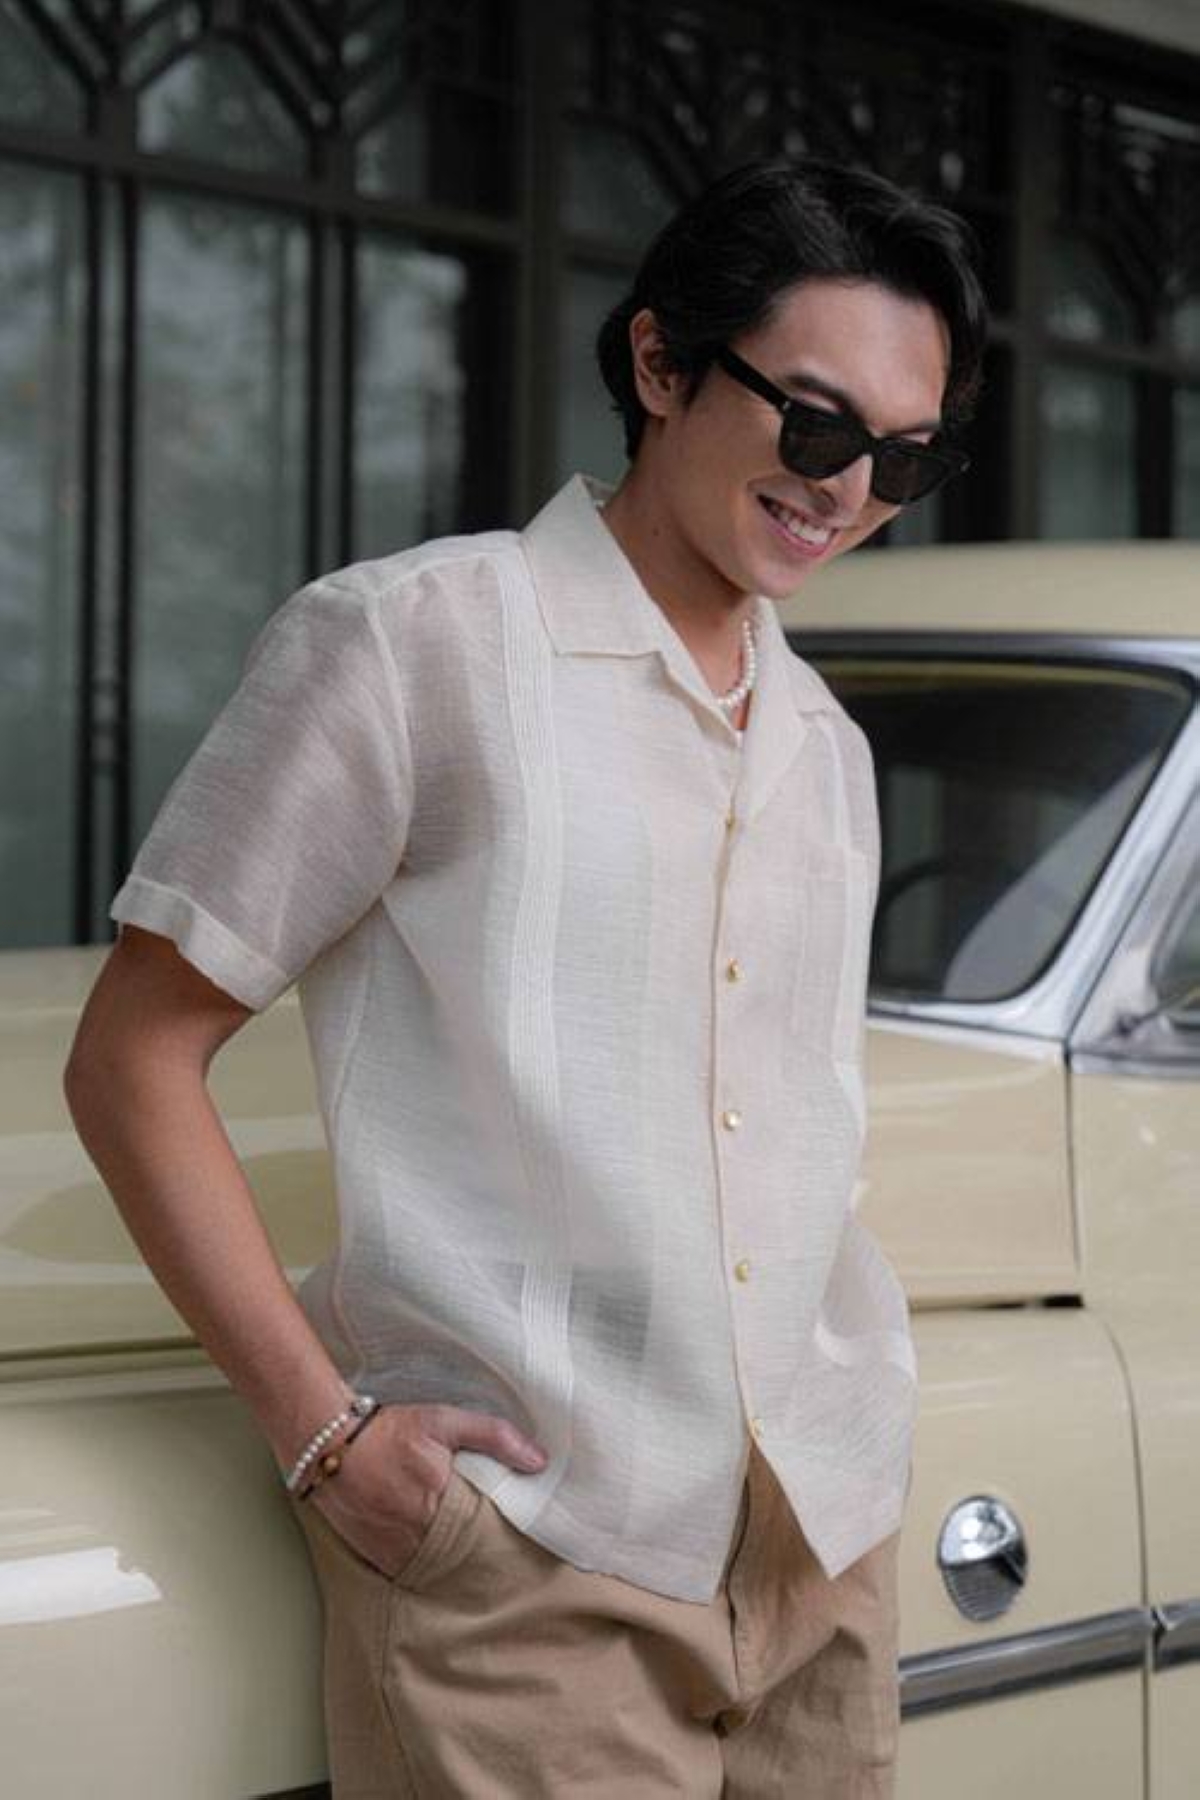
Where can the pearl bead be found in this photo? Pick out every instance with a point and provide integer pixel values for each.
(732, 699)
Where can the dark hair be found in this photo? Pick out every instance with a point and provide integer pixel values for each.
(720, 265)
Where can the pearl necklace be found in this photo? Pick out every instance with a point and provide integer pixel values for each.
(733, 697)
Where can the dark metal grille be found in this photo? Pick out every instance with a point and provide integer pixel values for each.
(337, 65)
(700, 88)
(1130, 184)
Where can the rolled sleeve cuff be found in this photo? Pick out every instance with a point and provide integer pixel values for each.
(207, 944)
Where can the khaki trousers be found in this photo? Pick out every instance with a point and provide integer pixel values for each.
(490, 1669)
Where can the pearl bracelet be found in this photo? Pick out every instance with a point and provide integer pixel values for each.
(361, 1407)
(329, 1463)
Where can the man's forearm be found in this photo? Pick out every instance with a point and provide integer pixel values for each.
(156, 1138)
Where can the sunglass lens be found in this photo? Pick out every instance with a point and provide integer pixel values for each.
(818, 444)
(902, 476)
(815, 446)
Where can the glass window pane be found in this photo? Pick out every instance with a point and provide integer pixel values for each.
(41, 298)
(213, 104)
(221, 443)
(1004, 788)
(429, 94)
(392, 158)
(35, 89)
(611, 190)
(590, 433)
(453, 149)
(1185, 327)
(1177, 974)
(1088, 468)
(1083, 301)
(410, 396)
(1187, 463)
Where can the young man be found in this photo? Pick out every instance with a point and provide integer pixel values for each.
(575, 862)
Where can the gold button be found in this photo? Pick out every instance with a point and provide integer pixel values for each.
(757, 1427)
(730, 819)
(742, 1270)
(731, 1118)
(733, 970)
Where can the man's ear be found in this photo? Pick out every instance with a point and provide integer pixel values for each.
(658, 385)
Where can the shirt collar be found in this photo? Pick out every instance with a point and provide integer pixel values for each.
(594, 603)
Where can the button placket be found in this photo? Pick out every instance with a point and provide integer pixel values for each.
(729, 972)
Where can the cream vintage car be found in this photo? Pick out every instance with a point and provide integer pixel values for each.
(1033, 1169)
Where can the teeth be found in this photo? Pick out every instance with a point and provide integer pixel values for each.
(798, 527)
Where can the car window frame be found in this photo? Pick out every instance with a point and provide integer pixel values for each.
(1127, 1024)
(1051, 1006)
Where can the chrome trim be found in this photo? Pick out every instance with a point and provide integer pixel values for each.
(1049, 1007)
(1181, 655)
(1095, 1062)
(1176, 1633)
(969, 1673)
(983, 1556)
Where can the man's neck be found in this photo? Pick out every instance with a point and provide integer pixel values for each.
(705, 611)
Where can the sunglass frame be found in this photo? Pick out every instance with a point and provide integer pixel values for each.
(933, 463)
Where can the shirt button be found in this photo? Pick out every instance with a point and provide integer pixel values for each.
(742, 1270)
(731, 1118)
(757, 1427)
(733, 969)
(730, 819)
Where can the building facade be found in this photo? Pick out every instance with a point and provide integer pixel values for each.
(292, 282)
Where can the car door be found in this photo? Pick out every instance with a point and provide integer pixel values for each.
(159, 1627)
(1023, 1636)
(1135, 1082)
(1016, 784)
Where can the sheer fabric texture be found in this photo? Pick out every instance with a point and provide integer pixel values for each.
(584, 980)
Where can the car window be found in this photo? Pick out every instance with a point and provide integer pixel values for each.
(1004, 786)
(1177, 976)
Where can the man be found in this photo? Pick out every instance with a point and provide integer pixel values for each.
(574, 862)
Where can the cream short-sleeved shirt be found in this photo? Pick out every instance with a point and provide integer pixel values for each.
(584, 982)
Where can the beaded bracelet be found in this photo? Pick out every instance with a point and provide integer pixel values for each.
(361, 1407)
(329, 1464)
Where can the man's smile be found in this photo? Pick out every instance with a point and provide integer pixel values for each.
(797, 525)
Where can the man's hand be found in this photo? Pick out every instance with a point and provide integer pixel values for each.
(390, 1483)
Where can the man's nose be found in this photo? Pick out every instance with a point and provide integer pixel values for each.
(851, 486)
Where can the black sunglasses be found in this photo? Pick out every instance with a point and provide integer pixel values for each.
(816, 443)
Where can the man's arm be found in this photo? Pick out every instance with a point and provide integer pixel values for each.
(136, 1086)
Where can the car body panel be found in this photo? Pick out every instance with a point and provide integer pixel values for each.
(966, 1180)
(139, 1513)
(1114, 589)
(1029, 1406)
(1138, 1165)
(1064, 1743)
(70, 1275)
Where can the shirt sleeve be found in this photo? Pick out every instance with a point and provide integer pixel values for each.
(290, 818)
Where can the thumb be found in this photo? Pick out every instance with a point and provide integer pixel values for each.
(459, 1429)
